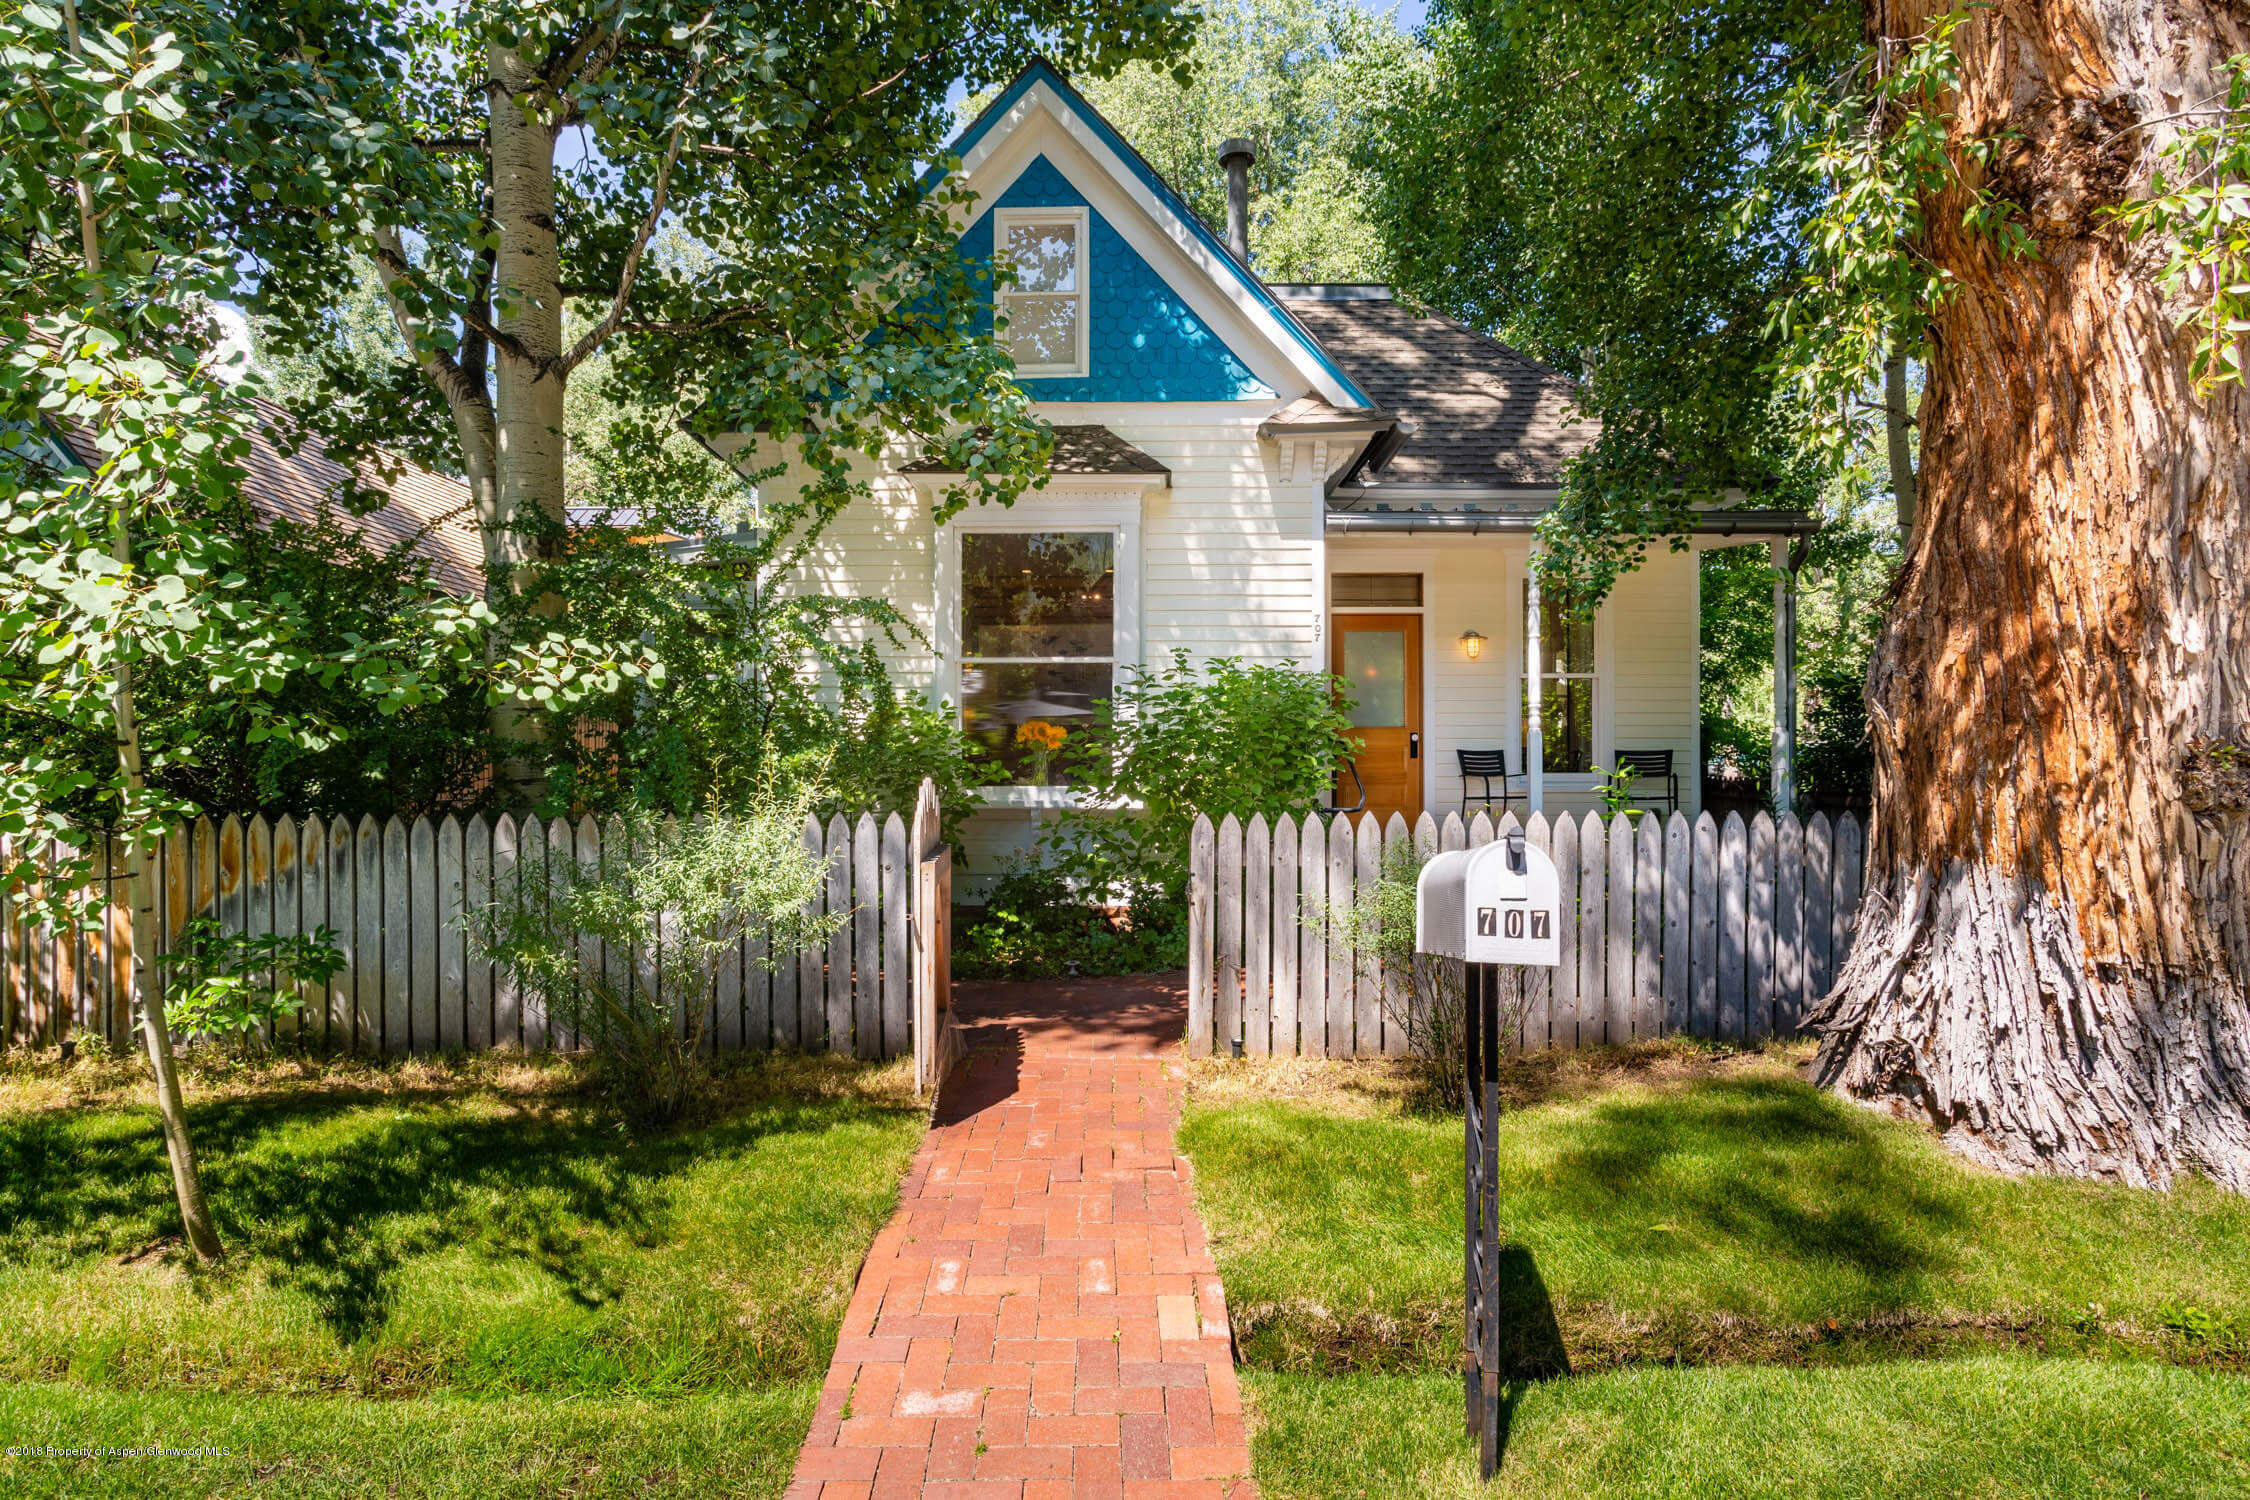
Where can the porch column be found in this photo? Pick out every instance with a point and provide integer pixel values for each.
(1784, 679)
(1534, 733)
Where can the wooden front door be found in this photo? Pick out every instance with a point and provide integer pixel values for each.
(1380, 659)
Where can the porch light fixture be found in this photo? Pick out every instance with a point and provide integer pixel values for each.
(1472, 644)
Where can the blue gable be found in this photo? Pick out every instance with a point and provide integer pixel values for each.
(1144, 342)
(1039, 71)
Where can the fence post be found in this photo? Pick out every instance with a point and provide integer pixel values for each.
(838, 974)
(1539, 988)
(1312, 938)
(1621, 975)
(1819, 889)
(1257, 936)
(1788, 923)
(1202, 872)
(1282, 1022)
(1593, 931)
(1226, 1003)
(1564, 1008)
(867, 939)
(1758, 981)
(1850, 862)
(1734, 854)
(1340, 978)
(1396, 994)
(897, 988)
(1678, 891)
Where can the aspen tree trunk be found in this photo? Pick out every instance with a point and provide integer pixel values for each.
(2051, 963)
(148, 986)
(1898, 421)
(528, 304)
(140, 890)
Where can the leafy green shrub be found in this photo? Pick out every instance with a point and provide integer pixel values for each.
(879, 762)
(764, 684)
(1835, 759)
(1036, 925)
(231, 986)
(683, 903)
(1174, 741)
(1428, 1008)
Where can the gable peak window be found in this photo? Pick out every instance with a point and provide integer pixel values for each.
(1042, 295)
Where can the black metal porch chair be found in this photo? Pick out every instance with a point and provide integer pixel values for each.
(1486, 766)
(1650, 768)
(1336, 803)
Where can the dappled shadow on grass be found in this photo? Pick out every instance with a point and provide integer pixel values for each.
(332, 1191)
(1766, 1163)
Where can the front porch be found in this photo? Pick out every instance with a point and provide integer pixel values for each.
(1432, 617)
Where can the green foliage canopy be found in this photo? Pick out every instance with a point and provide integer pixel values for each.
(1569, 175)
(1297, 78)
(126, 565)
(786, 144)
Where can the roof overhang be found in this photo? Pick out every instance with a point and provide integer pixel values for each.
(1521, 518)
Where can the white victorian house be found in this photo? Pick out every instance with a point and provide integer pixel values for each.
(1316, 474)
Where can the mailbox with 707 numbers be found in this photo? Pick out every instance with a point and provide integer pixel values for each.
(1498, 908)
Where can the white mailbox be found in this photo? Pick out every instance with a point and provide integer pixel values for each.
(1495, 904)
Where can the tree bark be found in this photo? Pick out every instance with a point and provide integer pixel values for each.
(2051, 962)
(528, 375)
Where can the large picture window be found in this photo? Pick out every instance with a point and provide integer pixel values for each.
(1564, 680)
(1038, 644)
(1044, 305)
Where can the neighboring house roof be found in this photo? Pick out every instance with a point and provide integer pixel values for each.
(427, 511)
(1472, 412)
(1087, 450)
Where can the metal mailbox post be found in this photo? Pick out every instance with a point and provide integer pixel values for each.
(1495, 908)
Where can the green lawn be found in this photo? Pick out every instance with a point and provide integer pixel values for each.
(1683, 1206)
(530, 1290)
(1733, 1284)
(2002, 1426)
(461, 1449)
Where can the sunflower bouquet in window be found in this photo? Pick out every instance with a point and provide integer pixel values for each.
(1041, 739)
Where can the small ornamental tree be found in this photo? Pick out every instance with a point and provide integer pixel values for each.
(112, 567)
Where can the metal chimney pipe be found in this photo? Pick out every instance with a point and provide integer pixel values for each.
(1236, 155)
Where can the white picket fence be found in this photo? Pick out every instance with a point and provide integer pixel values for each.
(395, 892)
(1723, 931)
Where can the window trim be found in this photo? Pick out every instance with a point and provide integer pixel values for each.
(1117, 512)
(1603, 676)
(1004, 219)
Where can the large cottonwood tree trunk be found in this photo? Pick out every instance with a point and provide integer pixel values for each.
(2052, 961)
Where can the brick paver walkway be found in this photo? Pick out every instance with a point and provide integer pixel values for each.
(1042, 1319)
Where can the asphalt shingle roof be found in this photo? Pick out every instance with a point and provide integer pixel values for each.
(428, 511)
(1471, 410)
